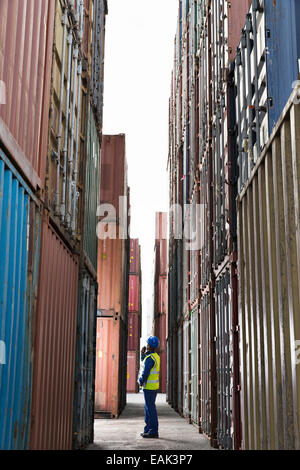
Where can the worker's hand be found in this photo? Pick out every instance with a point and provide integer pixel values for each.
(143, 350)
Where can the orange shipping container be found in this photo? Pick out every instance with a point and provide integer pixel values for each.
(110, 385)
(112, 287)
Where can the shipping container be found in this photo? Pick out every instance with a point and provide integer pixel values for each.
(20, 226)
(114, 175)
(224, 355)
(112, 285)
(133, 361)
(92, 195)
(111, 367)
(83, 419)
(67, 125)
(26, 38)
(54, 344)
(268, 234)
(134, 331)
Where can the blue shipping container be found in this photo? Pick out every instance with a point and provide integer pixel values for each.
(19, 253)
(283, 53)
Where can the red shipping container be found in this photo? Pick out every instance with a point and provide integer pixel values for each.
(26, 39)
(54, 345)
(162, 295)
(134, 267)
(134, 331)
(132, 371)
(134, 293)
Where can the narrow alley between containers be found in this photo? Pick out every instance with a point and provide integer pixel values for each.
(124, 433)
(150, 225)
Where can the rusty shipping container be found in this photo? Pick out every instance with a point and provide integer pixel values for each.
(54, 344)
(26, 38)
(110, 367)
(269, 286)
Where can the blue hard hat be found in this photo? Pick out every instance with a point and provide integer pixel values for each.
(153, 342)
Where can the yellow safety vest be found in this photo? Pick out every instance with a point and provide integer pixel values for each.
(153, 378)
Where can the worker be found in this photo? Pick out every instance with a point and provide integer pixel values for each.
(149, 381)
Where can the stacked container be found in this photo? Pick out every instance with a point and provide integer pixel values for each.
(50, 132)
(203, 183)
(113, 280)
(134, 316)
(161, 294)
(237, 364)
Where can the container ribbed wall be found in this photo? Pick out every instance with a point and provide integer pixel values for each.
(20, 224)
(26, 37)
(269, 267)
(54, 345)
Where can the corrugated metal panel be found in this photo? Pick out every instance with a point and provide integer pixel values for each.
(83, 421)
(20, 225)
(132, 371)
(134, 257)
(269, 286)
(26, 36)
(134, 331)
(92, 181)
(134, 293)
(54, 345)
(109, 365)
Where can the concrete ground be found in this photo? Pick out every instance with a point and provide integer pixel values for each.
(124, 433)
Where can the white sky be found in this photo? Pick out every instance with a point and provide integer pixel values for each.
(138, 64)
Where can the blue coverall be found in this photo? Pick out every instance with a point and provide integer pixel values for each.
(151, 419)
